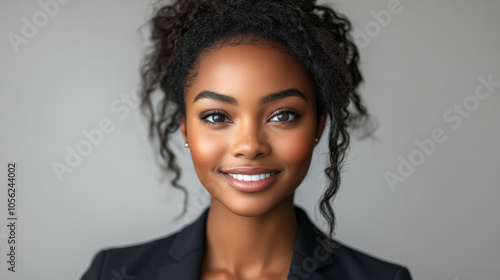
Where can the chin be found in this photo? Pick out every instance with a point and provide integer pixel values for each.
(251, 205)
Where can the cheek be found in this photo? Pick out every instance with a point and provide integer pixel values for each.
(295, 148)
(296, 151)
(206, 148)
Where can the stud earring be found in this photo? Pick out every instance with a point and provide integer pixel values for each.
(316, 140)
(186, 144)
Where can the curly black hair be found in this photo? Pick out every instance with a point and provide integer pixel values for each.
(317, 36)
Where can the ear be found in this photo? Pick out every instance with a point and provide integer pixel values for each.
(321, 124)
(182, 126)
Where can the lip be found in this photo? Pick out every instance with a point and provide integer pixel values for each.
(251, 186)
(250, 170)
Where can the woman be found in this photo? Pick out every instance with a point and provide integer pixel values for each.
(250, 85)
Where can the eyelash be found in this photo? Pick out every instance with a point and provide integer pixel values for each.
(209, 113)
(288, 110)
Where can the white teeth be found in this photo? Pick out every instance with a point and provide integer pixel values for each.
(250, 178)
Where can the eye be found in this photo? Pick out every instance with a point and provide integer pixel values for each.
(214, 117)
(285, 116)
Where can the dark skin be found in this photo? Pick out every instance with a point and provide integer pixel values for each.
(250, 235)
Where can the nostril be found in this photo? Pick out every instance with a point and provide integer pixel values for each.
(250, 142)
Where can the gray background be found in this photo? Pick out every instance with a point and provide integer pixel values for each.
(442, 221)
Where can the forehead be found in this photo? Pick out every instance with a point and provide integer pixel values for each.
(258, 68)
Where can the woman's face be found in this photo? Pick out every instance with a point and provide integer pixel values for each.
(250, 123)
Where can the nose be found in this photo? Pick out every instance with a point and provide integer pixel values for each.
(250, 141)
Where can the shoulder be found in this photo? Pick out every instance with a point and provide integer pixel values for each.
(354, 264)
(130, 261)
(313, 256)
(180, 252)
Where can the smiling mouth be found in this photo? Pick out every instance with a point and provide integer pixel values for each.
(251, 178)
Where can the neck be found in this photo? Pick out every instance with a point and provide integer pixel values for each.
(250, 246)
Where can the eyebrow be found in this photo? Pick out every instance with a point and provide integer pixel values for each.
(262, 101)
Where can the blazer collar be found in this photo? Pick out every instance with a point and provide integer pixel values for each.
(310, 253)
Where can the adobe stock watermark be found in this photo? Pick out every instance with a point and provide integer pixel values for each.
(94, 137)
(373, 28)
(195, 205)
(31, 26)
(121, 276)
(200, 199)
(311, 263)
(454, 117)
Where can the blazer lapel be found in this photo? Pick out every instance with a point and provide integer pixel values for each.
(186, 253)
(311, 257)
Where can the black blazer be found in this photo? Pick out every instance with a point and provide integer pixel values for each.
(179, 257)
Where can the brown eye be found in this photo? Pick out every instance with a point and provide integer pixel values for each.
(285, 116)
(216, 118)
